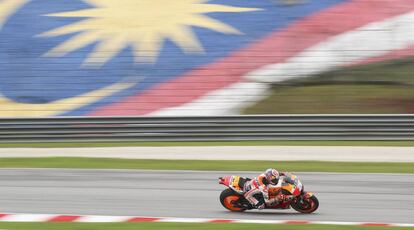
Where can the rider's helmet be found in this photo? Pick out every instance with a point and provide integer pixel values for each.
(272, 176)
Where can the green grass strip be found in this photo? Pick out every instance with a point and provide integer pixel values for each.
(207, 143)
(178, 226)
(210, 165)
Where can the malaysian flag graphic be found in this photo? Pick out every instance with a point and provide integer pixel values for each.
(183, 57)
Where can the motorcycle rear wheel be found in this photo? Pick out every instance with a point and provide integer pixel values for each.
(307, 206)
(228, 197)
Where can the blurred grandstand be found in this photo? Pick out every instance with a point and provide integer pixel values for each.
(199, 57)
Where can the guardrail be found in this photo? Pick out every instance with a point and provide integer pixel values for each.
(212, 128)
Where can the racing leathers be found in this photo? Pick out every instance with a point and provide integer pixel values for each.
(256, 191)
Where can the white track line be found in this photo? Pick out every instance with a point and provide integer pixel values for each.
(280, 153)
(102, 219)
(121, 219)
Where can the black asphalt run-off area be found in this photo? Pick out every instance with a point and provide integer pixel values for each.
(343, 197)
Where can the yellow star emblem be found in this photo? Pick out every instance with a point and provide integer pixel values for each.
(142, 25)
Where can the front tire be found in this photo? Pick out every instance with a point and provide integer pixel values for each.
(306, 206)
(228, 197)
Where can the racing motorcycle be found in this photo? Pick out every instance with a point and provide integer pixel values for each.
(233, 199)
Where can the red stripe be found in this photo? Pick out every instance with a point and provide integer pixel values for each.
(374, 225)
(297, 222)
(142, 219)
(275, 48)
(64, 218)
(221, 221)
(3, 215)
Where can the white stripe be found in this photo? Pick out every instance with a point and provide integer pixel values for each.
(402, 225)
(184, 220)
(224, 101)
(260, 221)
(103, 219)
(27, 218)
(372, 40)
(335, 223)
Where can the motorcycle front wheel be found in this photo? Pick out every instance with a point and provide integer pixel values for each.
(306, 206)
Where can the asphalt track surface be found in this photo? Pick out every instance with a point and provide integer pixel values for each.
(343, 197)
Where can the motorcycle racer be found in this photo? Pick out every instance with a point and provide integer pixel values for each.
(288, 192)
(256, 191)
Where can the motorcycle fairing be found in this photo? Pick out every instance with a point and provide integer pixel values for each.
(235, 184)
(232, 182)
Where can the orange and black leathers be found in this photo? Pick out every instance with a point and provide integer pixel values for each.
(257, 192)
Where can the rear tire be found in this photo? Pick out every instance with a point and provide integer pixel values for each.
(308, 206)
(228, 196)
